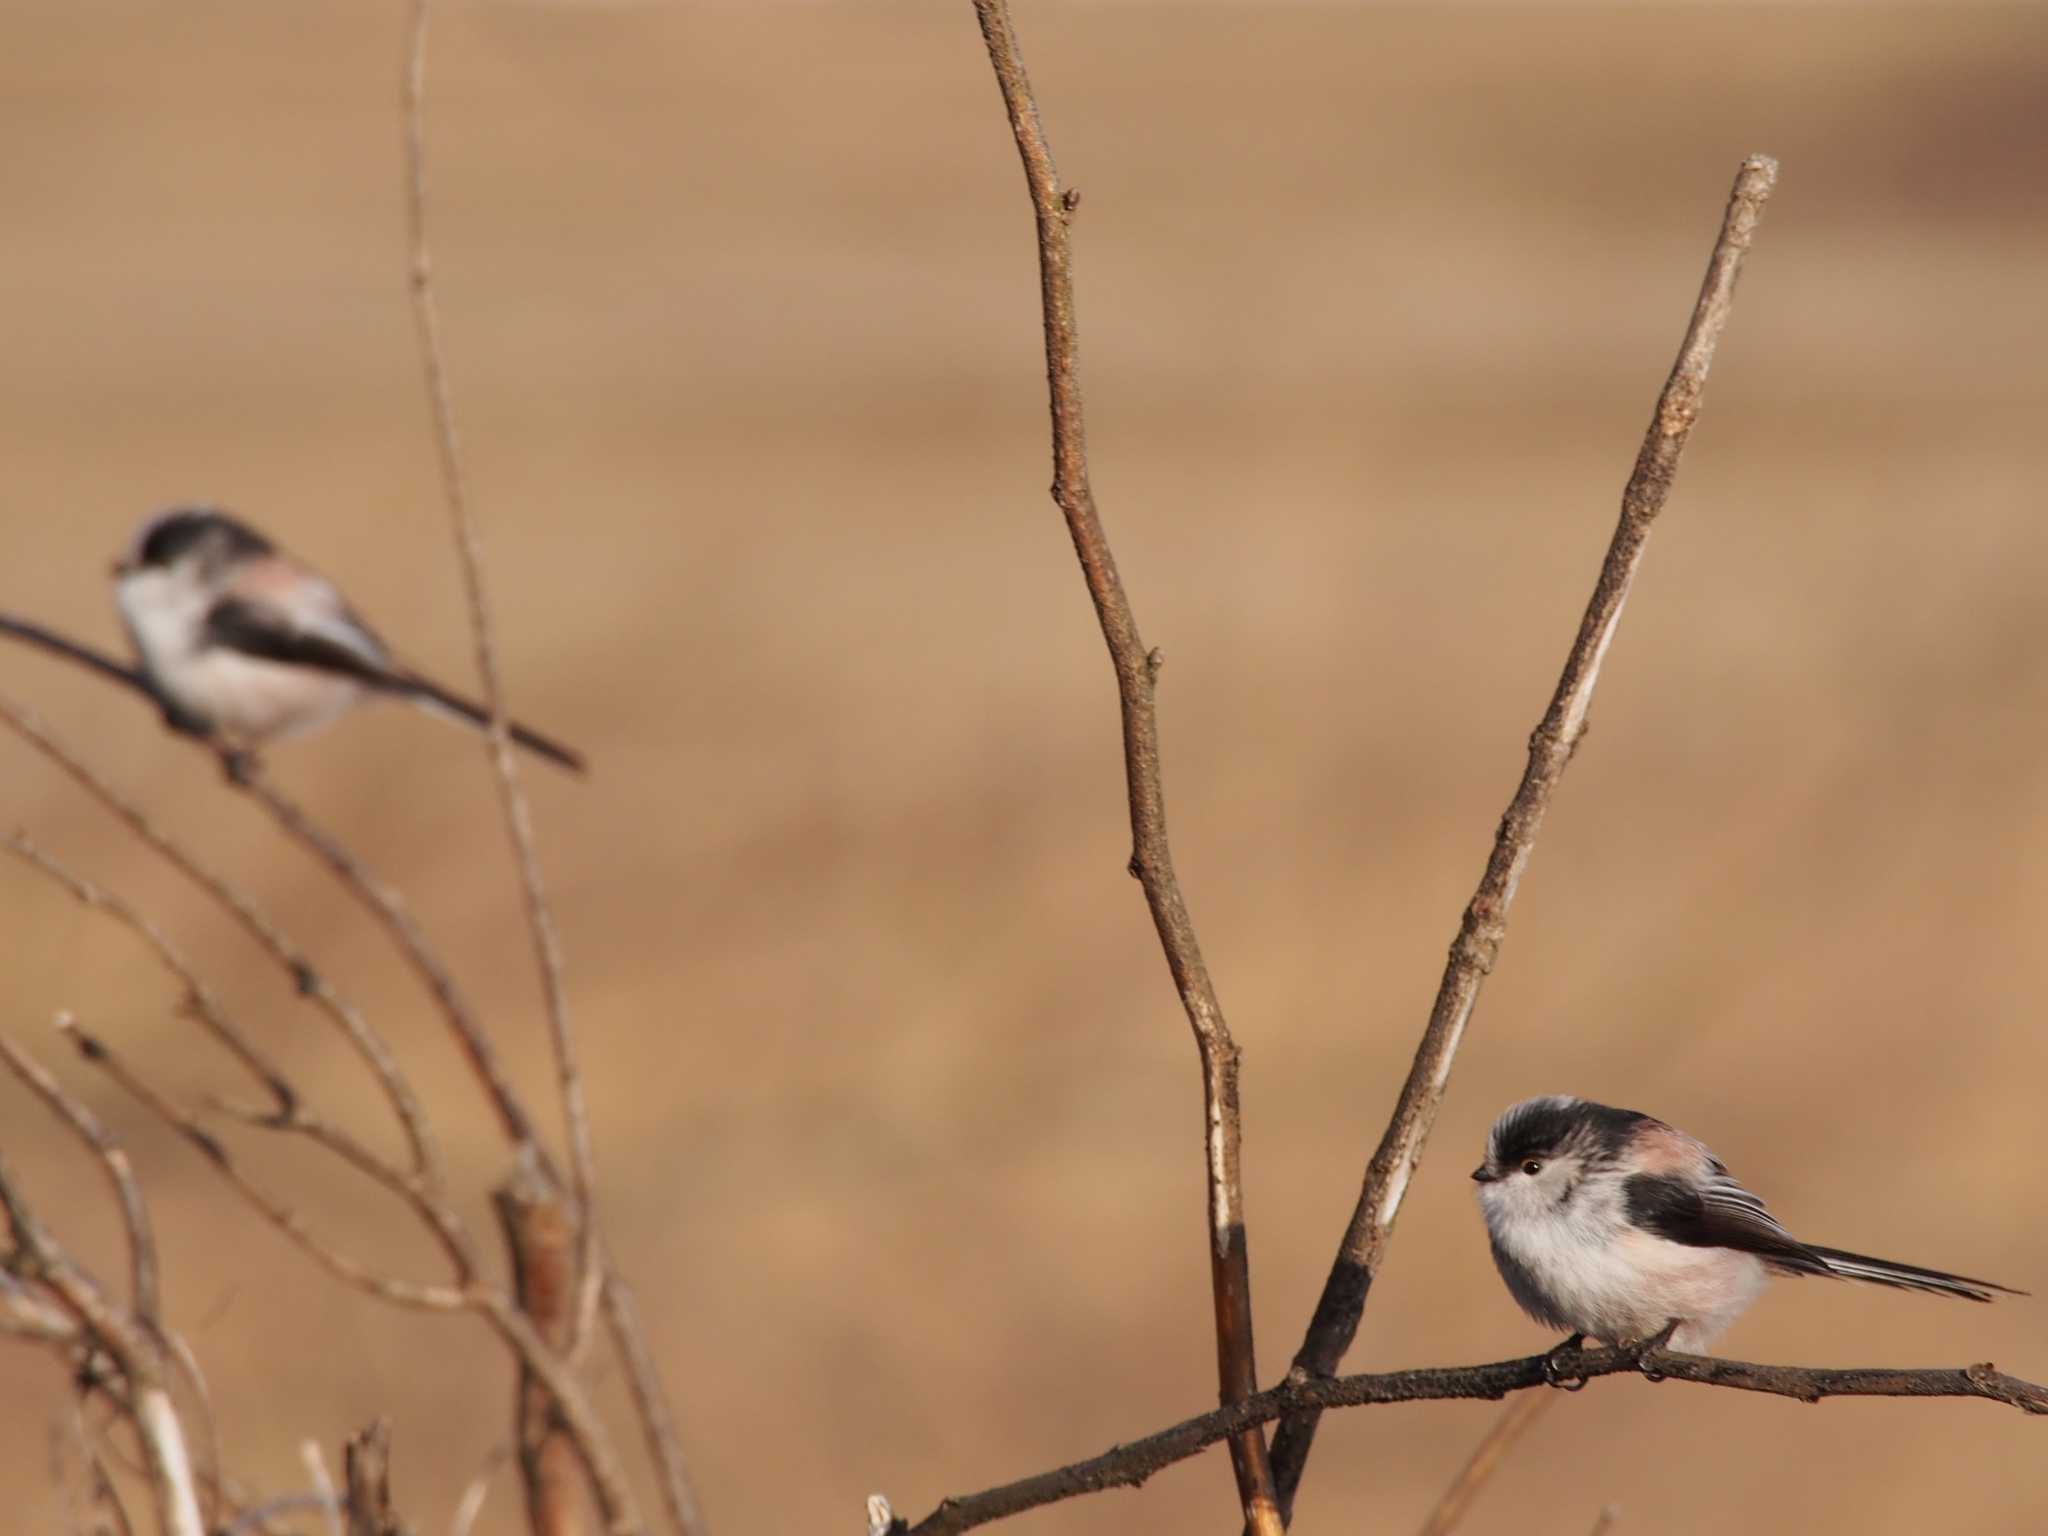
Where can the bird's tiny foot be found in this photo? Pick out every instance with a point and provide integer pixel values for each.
(1555, 1372)
(238, 765)
(1640, 1352)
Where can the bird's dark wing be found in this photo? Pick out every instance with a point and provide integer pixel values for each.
(348, 648)
(1721, 1214)
(265, 631)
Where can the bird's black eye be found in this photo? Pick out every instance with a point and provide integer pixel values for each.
(1532, 1166)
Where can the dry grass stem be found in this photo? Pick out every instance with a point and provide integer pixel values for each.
(1514, 1422)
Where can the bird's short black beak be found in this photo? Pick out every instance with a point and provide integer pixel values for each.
(1480, 1175)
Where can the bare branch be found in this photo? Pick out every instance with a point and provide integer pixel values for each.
(404, 1293)
(389, 908)
(368, 1044)
(291, 1113)
(1484, 925)
(1127, 1466)
(131, 1341)
(578, 1416)
(1137, 671)
(72, 650)
(204, 1004)
(26, 1315)
(323, 1485)
(471, 1504)
(540, 1233)
(512, 801)
(366, 1466)
(650, 1402)
(144, 1299)
(257, 1517)
(1514, 1422)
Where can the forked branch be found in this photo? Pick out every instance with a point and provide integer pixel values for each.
(1550, 749)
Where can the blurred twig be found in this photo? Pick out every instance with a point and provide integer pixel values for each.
(1131, 1464)
(595, 1279)
(366, 1466)
(1486, 1457)
(518, 815)
(376, 1054)
(130, 1337)
(72, 650)
(1484, 925)
(1137, 672)
(650, 1402)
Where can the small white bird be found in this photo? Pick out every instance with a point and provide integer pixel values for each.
(242, 645)
(1611, 1224)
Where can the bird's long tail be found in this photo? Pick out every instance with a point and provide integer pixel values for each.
(433, 697)
(1908, 1277)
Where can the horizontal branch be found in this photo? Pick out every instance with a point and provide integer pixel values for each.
(1127, 1466)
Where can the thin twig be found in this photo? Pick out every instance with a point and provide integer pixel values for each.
(72, 650)
(547, 941)
(201, 998)
(1605, 1521)
(143, 1295)
(404, 1293)
(129, 1340)
(104, 1492)
(1550, 748)
(257, 1517)
(578, 1415)
(1129, 1465)
(290, 1113)
(650, 1402)
(471, 1504)
(384, 903)
(1137, 672)
(1513, 1423)
(322, 1480)
(368, 1044)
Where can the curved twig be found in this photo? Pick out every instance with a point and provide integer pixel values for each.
(144, 1296)
(370, 1046)
(1129, 1465)
(404, 1293)
(1137, 673)
(288, 1111)
(1484, 924)
(389, 908)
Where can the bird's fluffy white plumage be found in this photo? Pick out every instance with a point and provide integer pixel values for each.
(1613, 1224)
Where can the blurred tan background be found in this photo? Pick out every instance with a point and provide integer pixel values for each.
(899, 1119)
